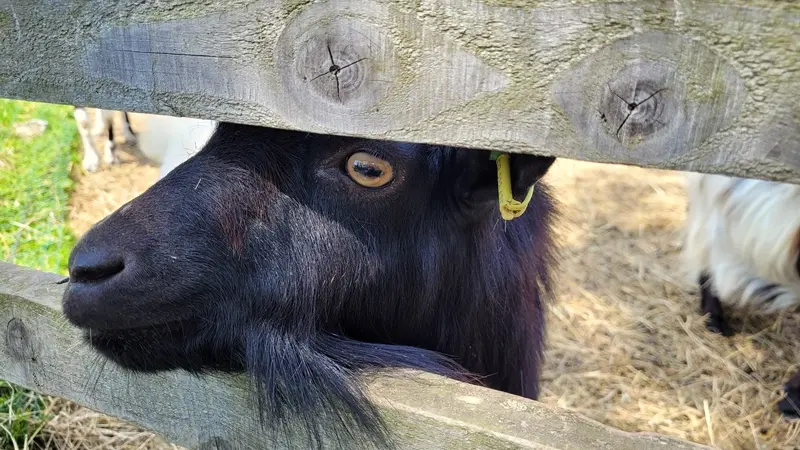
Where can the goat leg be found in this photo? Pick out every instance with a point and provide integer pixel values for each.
(90, 159)
(110, 148)
(789, 406)
(711, 305)
(127, 131)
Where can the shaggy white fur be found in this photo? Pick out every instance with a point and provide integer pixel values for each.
(169, 141)
(744, 235)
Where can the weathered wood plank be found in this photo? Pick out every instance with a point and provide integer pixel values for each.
(40, 350)
(697, 85)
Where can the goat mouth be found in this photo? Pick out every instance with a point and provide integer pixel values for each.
(170, 345)
(169, 326)
(106, 311)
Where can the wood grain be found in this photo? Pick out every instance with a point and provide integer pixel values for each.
(41, 351)
(697, 85)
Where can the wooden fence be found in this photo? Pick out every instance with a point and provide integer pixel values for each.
(697, 85)
(41, 351)
(707, 86)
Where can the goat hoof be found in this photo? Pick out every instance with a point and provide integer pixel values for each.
(91, 166)
(109, 155)
(789, 406)
(719, 326)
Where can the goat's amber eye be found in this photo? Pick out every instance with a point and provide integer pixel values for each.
(369, 170)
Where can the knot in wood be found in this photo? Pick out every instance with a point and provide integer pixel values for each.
(18, 341)
(346, 74)
(336, 66)
(635, 107)
(653, 97)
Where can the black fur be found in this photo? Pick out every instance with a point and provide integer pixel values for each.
(789, 405)
(260, 254)
(711, 305)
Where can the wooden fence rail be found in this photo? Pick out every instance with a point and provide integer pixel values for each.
(41, 351)
(698, 85)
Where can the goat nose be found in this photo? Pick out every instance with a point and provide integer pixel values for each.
(94, 265)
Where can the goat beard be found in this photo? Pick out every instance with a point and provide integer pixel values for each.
(309, 390)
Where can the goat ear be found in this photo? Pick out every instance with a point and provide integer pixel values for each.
(480, 174)
(796, 246)
(797, 264)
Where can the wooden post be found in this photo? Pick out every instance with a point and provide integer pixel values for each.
(697, 85)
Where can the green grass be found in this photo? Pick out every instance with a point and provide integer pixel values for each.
(22, 416)
(35, 185)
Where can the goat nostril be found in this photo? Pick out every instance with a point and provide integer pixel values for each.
(94, 270)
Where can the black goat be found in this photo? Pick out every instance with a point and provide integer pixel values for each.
(307, 259)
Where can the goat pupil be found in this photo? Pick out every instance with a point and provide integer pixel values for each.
(367, 169)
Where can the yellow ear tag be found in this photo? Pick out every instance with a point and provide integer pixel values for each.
(509, 208)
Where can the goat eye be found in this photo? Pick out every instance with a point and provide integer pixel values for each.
(369, 170)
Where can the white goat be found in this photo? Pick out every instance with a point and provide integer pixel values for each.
(742, 246)
(167, 141)
(742, 241)
(103, 123)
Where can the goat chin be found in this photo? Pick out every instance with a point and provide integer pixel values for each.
(169, 141)
(744, 236)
